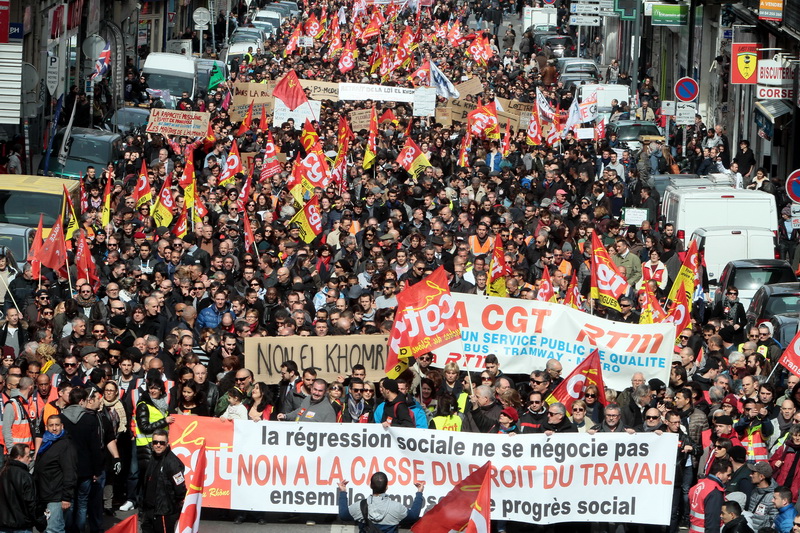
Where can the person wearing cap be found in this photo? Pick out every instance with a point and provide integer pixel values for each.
(761, 503)
(706, 497)
(507, 421)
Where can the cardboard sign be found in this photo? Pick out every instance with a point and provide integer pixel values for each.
(424, 102)
(471, 86)
(321, 90)
(443, 116)
(331, 356)
(258, 93)
(173, 122)
(300, 114)
(359, 119)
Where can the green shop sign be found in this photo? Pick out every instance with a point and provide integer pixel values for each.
(670, 15)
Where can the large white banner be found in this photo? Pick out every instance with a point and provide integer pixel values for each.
(295, 467)
(524, 334)
(383, 93)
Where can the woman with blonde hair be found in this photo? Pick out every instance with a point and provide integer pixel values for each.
(45, 354)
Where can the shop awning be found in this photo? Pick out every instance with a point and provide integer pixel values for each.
(772, 109)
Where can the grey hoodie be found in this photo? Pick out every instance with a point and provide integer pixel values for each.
(382, 510)
(760, 504)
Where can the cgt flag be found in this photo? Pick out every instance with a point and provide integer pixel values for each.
(466, 505)
(129, 525)
(412, 159)
(309, 220)
(607, 283)
(688, 276)
(426, 321)
(190, 515)
(588, 372)
(791, 356)
(498, 270)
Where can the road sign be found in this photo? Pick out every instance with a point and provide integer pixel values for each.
(549, 2)
(201, 16)
(795, 216)
(793, 186)
(584, 9)
(668, 107)
(171, 18)
(52, 74)
(684, 113)
(686, 89)
(584, 20)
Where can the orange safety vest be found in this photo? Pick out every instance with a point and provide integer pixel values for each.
(478, 248)
(755, 446)
(21, 425)
(697, 503)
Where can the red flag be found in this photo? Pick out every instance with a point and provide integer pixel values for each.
(480, 518)
(387, 116)
(189, 521)
(84, 262)
(534, 133)
(271, 165)
(129, 525)
(53, 252)
(262, 122)
(348, 60)
(546, 292)
(294, 40)
(483, 122)
(247, 122)
(249, 239)
(456, 510)
(607, 283)
(241, 200)
(600, 130)
(234, 167)
(507, 140)
(143, 194)
(181, 227)
(84, 198)
(290, 92)
(426, 321)
(308, 136)
(573, 297)
(791, 356)
(312, 26)
(588, 372)
(680, 312)
(35, 248)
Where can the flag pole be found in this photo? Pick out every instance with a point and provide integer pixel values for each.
(69, 275)
(8, 291)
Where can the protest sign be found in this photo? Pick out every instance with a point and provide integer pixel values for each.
(443, 116)
(383, 93)
(174, 122)
(247, 160)
(295, 467)
(424, 102)
(524, 334)
(471, 86)
(321, 90)
(332, 356)
(244, 93)
(359, 119)
(299, 114)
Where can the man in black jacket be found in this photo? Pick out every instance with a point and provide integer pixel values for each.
(18, 493)
(56, 473)
(84, 429)
(164, 488)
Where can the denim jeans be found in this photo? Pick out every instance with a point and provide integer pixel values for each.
(76, 515)
(95, 512)
(55, 524)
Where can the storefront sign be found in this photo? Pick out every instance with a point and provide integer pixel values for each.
(774, 73)
(744, 63)
(770, 10)
(764, 92)
(295, 467)
(331, 356)
(524, 334)
(670, 15)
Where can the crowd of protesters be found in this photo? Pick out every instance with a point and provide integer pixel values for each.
(98, 370)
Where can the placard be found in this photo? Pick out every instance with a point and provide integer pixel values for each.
(296, 467)
(321, 90)
(584, 133)
(473, 85)
(424, 102)
(306, 42)
(634, 216)
(173, 122)
(359, 119)
(382, 93)
(299, 114)
(244, 93)
(443, 117)
(331, 356)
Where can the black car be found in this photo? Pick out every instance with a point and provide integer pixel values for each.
(773, 300)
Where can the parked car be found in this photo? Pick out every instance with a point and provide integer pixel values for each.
(577, 64)
(560, 46)
(749, 275)
(15, 241)
(784, 327)
(86, 147)
(24, 198)
(773, 300)
(722, 244)
(629, 131)
(124, 119)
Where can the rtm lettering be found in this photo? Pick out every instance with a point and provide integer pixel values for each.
(617, 340)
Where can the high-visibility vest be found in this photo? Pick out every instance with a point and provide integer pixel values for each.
(448, 423)
(478, 248)
(21, 425)
(463, 398)
(154, 415)
(697, 503)
(755, 445)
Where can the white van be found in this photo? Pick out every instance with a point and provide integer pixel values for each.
(174, 72)
(722, 244)
(703, 207)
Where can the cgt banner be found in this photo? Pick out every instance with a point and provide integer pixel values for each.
(524, 334)
(292, 467)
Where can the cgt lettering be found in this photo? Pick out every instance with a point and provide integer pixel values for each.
(516, 320)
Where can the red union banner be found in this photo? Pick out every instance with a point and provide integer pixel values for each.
(292, 467)
(791, 356)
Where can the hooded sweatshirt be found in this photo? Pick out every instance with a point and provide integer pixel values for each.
(83, 427)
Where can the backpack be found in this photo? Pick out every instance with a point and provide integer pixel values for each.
(662, 165)
(368, 526)
(410, 411)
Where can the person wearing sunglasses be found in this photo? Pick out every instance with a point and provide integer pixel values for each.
(558, 421)
(356, 410)
(579, 416)
(535, 416)
(164, 487)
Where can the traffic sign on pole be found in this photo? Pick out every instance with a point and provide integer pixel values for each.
(686, 89)
(793, 186)
(584, 8)
(684, 113)
(584, 20)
